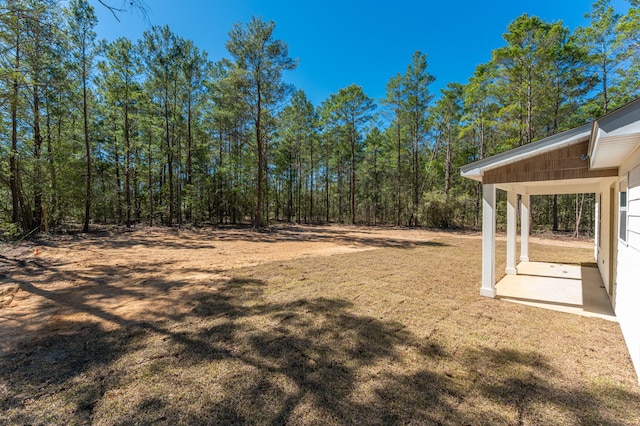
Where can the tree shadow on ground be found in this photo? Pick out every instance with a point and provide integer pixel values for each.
(206, 238)
(242, 355)
(522, 382)
(281, 356)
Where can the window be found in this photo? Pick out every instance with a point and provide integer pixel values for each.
(622, 223)
(599, 224)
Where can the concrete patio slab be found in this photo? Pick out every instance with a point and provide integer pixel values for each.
(576, 289)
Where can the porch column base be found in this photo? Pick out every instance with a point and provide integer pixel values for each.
(524, 258)
(488, 292)
(511, 271)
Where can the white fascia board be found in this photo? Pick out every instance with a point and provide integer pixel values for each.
(593, 142)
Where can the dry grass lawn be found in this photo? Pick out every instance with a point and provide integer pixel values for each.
(300, 325)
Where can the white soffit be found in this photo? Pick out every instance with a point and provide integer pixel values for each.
(610, 151)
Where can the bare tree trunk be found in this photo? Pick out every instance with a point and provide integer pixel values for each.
(150, 181)
(169, 156)
(376, 187)
(37, 149)
(189, 213)
(290, 191)
(177, 142)
(137, 199)
(116, 156)
(127, 158)
(447, 169)
(53, 191)
(555, 212)
(326, 184)
(265, 218)
(479, 185)
(529, 111)
(14, 169)
(605, 94)
(398, 176)
(299, 186)
(416, 181)
(579, 207)
(257, 220)
(353, 177)
(85, 116)
(311, 184)
(340, 194)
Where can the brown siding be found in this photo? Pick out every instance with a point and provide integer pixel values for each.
(564, 163)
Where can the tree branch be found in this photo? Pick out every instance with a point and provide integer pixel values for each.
(112, 9)
(138, 4)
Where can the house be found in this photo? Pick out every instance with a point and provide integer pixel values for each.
(602, 157)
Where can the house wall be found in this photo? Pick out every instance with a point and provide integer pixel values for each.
(628, 263)
(605, 242)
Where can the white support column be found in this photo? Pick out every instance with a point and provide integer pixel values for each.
(488, 241)
(512, 200)
(598, 224)
(525, 200)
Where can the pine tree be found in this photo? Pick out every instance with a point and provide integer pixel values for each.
(160, 55)
(120, 71)
(82, 23)
(628, 43)
(409, 96)
(350, 110)
(599, 39)
(260, 60)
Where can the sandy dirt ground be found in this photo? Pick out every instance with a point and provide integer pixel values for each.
(58, 284)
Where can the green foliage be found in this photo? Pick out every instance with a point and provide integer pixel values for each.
(259, 61)
(408, 97)
(604, 54)
(348, 112)
(627, 31)
(151, 131)
(9, 231)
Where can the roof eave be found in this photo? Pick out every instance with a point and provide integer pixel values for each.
(477, 169)
(475, 174)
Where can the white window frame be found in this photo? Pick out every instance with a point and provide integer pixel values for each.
(623, 217)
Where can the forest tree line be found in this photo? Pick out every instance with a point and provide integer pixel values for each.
(152, 131)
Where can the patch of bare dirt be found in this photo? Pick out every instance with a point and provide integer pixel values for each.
(297, 325)
(115, 279)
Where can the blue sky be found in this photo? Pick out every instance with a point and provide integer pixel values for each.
(338, 43)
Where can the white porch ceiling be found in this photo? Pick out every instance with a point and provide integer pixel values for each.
(557, 187)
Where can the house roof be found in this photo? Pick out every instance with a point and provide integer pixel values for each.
(615, 136)
(476, 170)
(612, 138)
